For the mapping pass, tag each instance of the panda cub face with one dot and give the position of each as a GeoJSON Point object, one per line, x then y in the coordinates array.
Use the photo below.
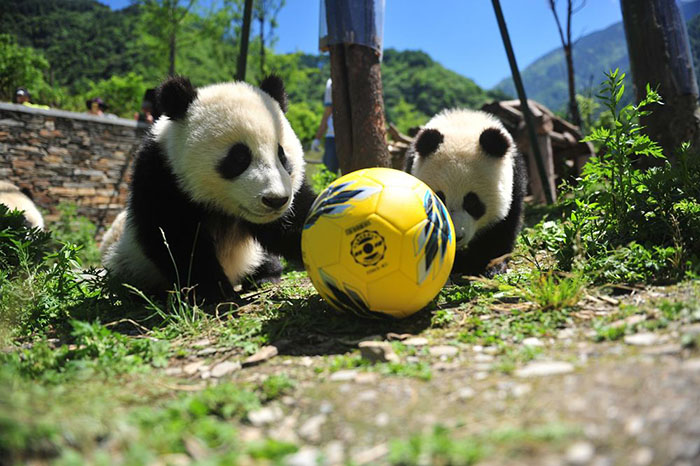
{"type": "Point", "coordinates": [231, 147]}
{"type": "Point", "coordinates": [466, 157]}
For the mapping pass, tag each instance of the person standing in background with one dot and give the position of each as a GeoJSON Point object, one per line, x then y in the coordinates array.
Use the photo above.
{"type": "Point", "coordinates": [330, 157]}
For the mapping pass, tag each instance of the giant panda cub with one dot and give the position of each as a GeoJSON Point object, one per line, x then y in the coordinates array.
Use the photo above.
{"type": "Point", "coordinates": [470, 160]}
{"type": "Point", "coordinates": [217, 191]}
{"type": "Point", "coordinates": [15, 198]}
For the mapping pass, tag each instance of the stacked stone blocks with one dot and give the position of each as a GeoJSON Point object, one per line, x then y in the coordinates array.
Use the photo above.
{"type": "Point", "coordinates": [68, 156]}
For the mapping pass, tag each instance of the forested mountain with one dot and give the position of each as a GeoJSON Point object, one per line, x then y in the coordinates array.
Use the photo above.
{"type": "Point", "coordinates": [90, 50]}
{"type": "Point", "coordinates": [81, 39]}
{"type": "Point", "coordinates": [545, 79]}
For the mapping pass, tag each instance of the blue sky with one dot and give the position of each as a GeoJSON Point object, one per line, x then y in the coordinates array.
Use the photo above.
{"type": "Point", "coordinates": [460, 34]}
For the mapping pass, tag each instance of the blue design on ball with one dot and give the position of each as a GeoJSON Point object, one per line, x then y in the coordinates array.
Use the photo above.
{"type": "Point", "coordinates": [435, 235]}
{"type": "Point", "coordinates": [334, 200]}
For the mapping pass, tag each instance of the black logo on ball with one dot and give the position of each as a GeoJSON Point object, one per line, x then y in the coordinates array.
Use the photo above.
{"type": "Point", "coordinates": [368, 248]}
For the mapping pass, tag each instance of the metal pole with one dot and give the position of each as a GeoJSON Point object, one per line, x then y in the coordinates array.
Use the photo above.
{"type": "Point", "coordinates": [245, 33]}
{"type": "Point", "coordinates": [523, 100]}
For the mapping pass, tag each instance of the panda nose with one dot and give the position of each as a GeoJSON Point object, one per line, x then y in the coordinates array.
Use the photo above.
{"type": "Point", "coordinates": [275, 202]}
{"type": "Point", "coordinates": [459, 237]}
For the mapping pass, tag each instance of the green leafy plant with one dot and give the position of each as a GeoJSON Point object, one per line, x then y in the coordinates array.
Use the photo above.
{"type": "Point", "coordinates": [625, 224]}
{"type": "Point", "coordinates": [322, 178]}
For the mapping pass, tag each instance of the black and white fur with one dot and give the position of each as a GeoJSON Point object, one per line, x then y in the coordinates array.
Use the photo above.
{"type": "Point", "coordinates": [470, 160]}
{"type": "Point", "coordinates": [21, 199]}
{"type": "Point", "coordinates": [219, 185]}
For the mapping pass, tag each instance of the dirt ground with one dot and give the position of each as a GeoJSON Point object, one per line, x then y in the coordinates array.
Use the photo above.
{"type": "Point", "coordinates": [630, 400]}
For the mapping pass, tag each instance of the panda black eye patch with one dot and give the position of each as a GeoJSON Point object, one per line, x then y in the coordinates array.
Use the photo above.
{"type": "Point", "coordinates": [473, 205]}
{"type": "Point", "coordinates": [236, 161]}
{"type": "Point", "coordinates": [283, 159]}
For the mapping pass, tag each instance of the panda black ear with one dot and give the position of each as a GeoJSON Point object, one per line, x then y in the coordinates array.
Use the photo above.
{"type": "Point", "coordinates": [274, 87]}
{"type": "Point", "coordinates": [174, 97]}
{"type": "Point", "coordinates": [27, 193]}
{"type": "Point", "coordinates": [428, 141]}
{"type": "Point", "coordinates": [494, 142]}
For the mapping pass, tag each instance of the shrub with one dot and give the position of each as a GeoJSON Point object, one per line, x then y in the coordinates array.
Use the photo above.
{"type": "Point", "coordinates": [625, 224]}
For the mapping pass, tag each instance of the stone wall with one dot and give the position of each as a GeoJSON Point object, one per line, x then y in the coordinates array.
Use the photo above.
{"type": "Point", "coordinates": [68, 156]}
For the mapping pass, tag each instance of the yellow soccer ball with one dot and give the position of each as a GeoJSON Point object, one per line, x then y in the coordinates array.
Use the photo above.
{"type": "Point", "coordinates": [378, 241]}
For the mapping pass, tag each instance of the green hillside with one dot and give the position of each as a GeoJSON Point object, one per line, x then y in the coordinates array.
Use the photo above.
{"type": "Point", "coordinates": [82, 49]}
{"type": "Point", "coordinates": [545, 79]}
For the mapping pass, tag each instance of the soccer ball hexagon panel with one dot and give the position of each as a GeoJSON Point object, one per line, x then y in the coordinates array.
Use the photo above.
{"type": "Point", "coordinates": [378, 240]}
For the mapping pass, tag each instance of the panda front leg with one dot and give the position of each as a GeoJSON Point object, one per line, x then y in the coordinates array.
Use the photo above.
{"type": "Point", "coordinates": [270, 271]}
{"type": "Point", "coordinates": [186, 255]}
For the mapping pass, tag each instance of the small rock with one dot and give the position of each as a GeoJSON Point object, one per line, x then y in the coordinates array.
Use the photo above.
{"type": "Point", "coordinates": [171, 371]}
{"type": "Point", "coordinates": [284, 430]}
{"type": "Point", "coordinates": [477, 348]}
{"type": "Point", "coordinates": [263, 354]}
{"type": "Point", "coordinates": [378, 351]}
{"type": "Point", "coordinates": [465, 393]}
{"type": "Point", "coordinates": [326, 407]}
{"type": "Point", "coordinates": [306, 456]}
{"type": "Point", "coordinates": [491, 350]}
{"type": "Point", "coordinates": [224, 368]}
{"type": "Point", "coordinates": [691, 364]}
{"type": "Point", "coordinates": [333, 452]}
{"type": "Point", "coordinates": [202, 343]}
{"type": "Point", "coordinates": [533, 342]}
{"type": "Point", "coordinates": [367, 395]}
{"type": "Point", "coordinates": [310, 430]}
{"type": "Point", "coordinates": [250, 434]}
{"type": "Point", "coordinates": [643, 457]}
{"type": "Point", "coordinates": [580, 453]}
{"type": "Point", "coordinates": [481, 357]}
{"type": "Point", "coordinates": [602, 461]}
{"type": "Point", "coordinates": [193, 367]}
{"type": "Point", "coordinates": [446, 366]}
{"type": "Point", "coordinates": [343, 376]}
{"type": "Point", "coordinates": [306, 361]}
{"type": "Point", "coordinates": [443, 351]}
{"type": "Point", "coordinates": [536, 369]}
{"type": "Point", "coordinates": [371, 455]}
{"type": "Point", "coordinates": [634, 426]}
{"type": "Point", "coordinates": [629, 321]}
{"type": "Point", "coordinates": [381, 420]}
{"type": "Point", "coordinates": [671, 348]}
{"type": "Point", "coordinates": [566, 333]}
{"type": "Point", "coordinates": [265, 416]}
{"type": "Point", "coordinates": [641, 339]}
{"type": "Point", "coordinates": [207, 351]}
{"type": "Point", "coordinates": [366, 377]}
{"type": "Point", "coordinates": [692, 330]}
{"type": "Point", "coordinates": [416, 341]}
{"type": "Point", "coordinates": [520, 389]}
{"type": "Point", "coordinates": [356, 341]}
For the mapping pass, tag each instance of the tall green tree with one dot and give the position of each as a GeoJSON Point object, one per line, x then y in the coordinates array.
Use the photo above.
{"type": "Point", "coordinates": [265, 12]}
{"type": "Point", "coordinates": [163, 21]}
{"type": "Point", "coordinates": [19, 66]}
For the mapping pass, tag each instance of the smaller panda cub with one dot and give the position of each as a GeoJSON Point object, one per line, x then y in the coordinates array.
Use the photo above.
{"type": "Point", "coordinates": [217, 192]}
{"type": "Point", "coordinates": [470, 160]}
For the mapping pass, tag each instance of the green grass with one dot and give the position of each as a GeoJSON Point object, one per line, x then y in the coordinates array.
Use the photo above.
{"type": "Point", "coordinates": [82, 364]}
{"type": "Point", "coordinates": [447, 446]}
